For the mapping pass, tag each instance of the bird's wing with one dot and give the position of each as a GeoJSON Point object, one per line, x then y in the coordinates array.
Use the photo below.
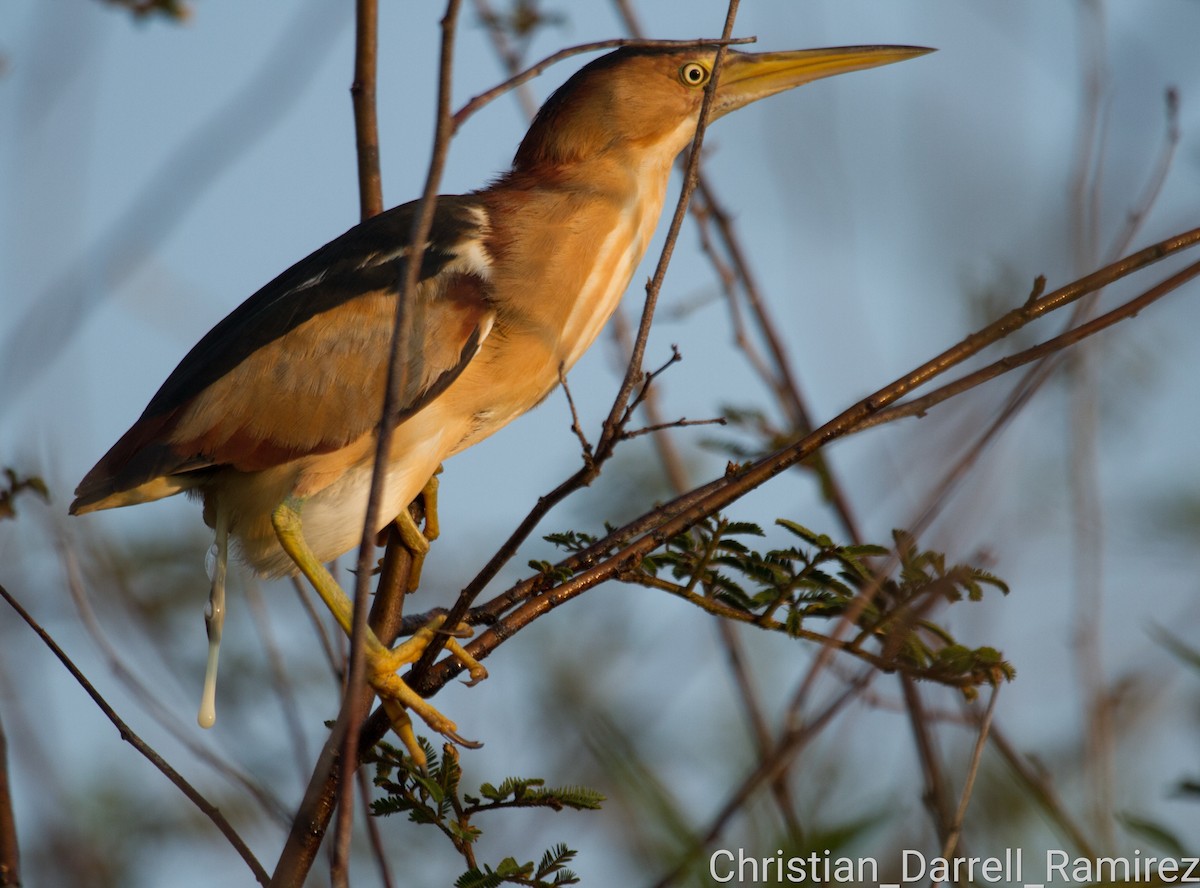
{"type": "Point", "coordinates": [300, 367]}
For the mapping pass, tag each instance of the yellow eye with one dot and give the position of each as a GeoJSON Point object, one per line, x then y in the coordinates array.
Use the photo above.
{"type": "Point", "coordinates": [693, 74]}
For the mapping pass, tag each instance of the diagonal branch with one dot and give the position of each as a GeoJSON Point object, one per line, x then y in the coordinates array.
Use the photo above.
{"type": "Point", "coordinates": [211, 811]}
{"type": "Point", "coordinates": [625, 546]}
{"type": "Point", "coordinates": [922, 405]}
{"type": "Point", "coordinates": [523, 77]}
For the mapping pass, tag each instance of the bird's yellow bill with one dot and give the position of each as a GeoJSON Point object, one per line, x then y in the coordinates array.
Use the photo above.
{"type": "Point", "coordinates": [746, 77]}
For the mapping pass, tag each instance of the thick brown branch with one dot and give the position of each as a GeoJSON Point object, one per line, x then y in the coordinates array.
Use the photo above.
{"type": "Point", "coordinates": [627, 545]}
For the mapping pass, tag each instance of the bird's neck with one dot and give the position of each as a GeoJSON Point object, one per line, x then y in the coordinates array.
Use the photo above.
{"type": "Point", "coordinates": [572, 236]}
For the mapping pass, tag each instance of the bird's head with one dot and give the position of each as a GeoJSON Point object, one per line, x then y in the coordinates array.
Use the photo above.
{"type": "Point", "coordinates": [649, 98]}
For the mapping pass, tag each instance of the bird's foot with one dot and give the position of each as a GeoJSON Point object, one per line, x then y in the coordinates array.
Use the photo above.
{"type": "Point", "coordinates": [398, 698]}
{"type": "Point", "coordinates": [383, 663]}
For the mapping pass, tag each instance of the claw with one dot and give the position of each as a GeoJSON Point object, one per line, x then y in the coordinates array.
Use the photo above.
{"type": "Point", "coordinates": [474, 679]}
{"type": "Point", "coordinates": [462, 741]}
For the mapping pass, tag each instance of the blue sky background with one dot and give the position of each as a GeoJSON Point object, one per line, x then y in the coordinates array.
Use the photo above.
{"type": "Point", "coordinates": [876, 208]}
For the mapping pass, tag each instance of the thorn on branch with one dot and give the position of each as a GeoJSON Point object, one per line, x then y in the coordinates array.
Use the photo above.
{"type": "Point", "coordinates": [1039, 287]}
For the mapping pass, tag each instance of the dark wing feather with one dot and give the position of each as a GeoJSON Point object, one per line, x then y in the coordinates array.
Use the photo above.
{"type": "Point", "coordinates": [364, 259]}
{"type": "Point", "coordinates": [299, 367]}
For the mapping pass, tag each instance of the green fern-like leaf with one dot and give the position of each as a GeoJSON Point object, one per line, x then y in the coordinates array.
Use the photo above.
{"type": "Point", "coordinates": [820, 540]}
{"type": "Point", "coordinates": [554, 861]}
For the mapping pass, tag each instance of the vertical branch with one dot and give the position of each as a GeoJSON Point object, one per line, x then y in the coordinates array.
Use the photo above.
{"type": "Point", "coordinates": [356, 699]}
{"type": "Point", "coordinates": [738, 277]}
{"type": "Point", "coordinates": [936, 795]}
{"type": "Point", "coordinates": [614, 423]}
{"type": "Point", "coordinates": [339, 758]}
{"type": "Point", "coordinates": [1087, 524]}
{"type": "Point", "coordinates": [406, 321]}
{"type": "Point", "coordinates": [10, 851]}
{"type": "Point", "coordinates": [362, 94]}
{"type": "Point", "coordinates": [407, 305]}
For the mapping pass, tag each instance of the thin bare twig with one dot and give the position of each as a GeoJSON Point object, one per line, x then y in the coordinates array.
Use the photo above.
{"type": "Point", "coordinates": [1158, 177]}
{"type": "Point", "coordinates": [280, 677]}
{"type": "Point", "coordinates": [936, 795]}
{"type": "Point", "coordinates": [737, 274]}
{"type": "Point", "coordinates": [682, 423]}
{"type": "Point", "coordinates": [186, 736]}
{"type": "Point", "coordinates": [477, 102]}
{"type": "Point", "coordinates": [792, 741]}
{"type": "Point", "coordinates": [1127, 310]}
{"type": "Point", "coordinates": [366, 120]}
{"type": "Point", "coordinates": [406, 321]}
{"type": "Point", "coordinates": [585, 446]}
{"type": "Point", "coordinates": [509, 57]}
{"type": "Point", "coordinates": [1082, 418]}
{"type": "Point", "coordinates": [951, 846]}
{"type": "Point", "coordinates": [373, 834]}
{"type": "Point", "coordinates": [10, 848]}
{"type": "Point", "coordinates": [339, 758]}
{"type": "Point", "coordinates": [691, 173]}
{"type": "Point", "coordinates": [1040, 784]}
{"type": "Point", "coordinates": [316, 808]}
{"type": "Point", "coordinates": [320, 628]}
{"type": "Point", "coordinates": [209, 810]}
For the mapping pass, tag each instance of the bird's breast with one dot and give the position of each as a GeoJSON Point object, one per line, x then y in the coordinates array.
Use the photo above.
{"type": "Point", "coordinates": [560, 259]}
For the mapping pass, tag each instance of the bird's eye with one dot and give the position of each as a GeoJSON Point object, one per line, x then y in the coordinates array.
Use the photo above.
{"type": "Point", "coordinates": [693, 74]}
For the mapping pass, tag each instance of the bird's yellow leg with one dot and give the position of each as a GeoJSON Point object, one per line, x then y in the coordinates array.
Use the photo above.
{"type": "Point", "coordinates": [429, 495]}
{"type": "Point", "coordinates": [382, 662]}
{"type": "Point", "coordinates": [414, 539]}
{"type": "Point", "coordinates": [290, 532]}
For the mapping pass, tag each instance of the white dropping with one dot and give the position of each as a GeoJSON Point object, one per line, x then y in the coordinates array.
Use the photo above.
{"type": "Point", "coordinates": [214, 617]}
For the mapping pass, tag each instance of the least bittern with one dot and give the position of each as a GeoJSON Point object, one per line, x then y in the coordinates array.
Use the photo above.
{"type": "Point", "coordinates": [272, 418]}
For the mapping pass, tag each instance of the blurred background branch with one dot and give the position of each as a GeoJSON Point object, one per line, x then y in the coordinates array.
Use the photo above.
{"type": "Point", "coordinates": [866, 226]}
